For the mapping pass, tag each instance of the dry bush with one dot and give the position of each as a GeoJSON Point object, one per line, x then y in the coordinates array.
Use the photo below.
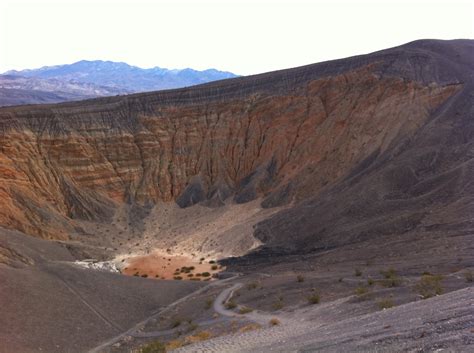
{"type": "Point", "coordinates": [314, 299]}
{"type": "Point", "coordinates": [230, 305]}
{"type": "Point", "coordinates": [277, 305]}
{"type": "Point", "coordinates": [153, 347]}
{"type": "Point", "coordinates": [174, 344]}
{"type": "Point", "coordinates": [385, 303]}
{"type": "Point", "coordinates": [245, 310]}
{"type": "Point", "coordinates": [429, 286]}
{"type": "Point", "coordinates": [198, 337]}
{"type": "Point", "coordinates": [468, 276]}
{"type": "Point", "coordinates": [252, 285]}
{"type": "Point", "coordinates": [208, 303]}
{"type": "Point", "coordinates": [274, 322]}
{"type": "Point", "coordinates": [250, 327]}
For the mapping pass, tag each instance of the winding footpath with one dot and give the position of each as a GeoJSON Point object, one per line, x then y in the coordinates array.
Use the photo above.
{"type": "Point", "coordinates": [135, 331]}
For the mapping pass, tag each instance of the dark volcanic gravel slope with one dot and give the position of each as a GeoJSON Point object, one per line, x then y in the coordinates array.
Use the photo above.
{"type": "Point", "coordinates": [420, 183]}
{"type": "Point", "coordinates": [48, 304]}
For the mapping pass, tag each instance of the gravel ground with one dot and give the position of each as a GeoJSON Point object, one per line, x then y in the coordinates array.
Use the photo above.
{"type": "Point", "coordinates": [444, 323]}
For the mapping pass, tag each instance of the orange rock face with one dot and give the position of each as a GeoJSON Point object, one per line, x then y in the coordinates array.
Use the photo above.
{"type": "Point", "coordinates": [80, 160]}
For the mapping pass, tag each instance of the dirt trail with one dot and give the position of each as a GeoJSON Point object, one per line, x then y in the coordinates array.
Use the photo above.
{"type": "Point", "coordinates": [135, 331]}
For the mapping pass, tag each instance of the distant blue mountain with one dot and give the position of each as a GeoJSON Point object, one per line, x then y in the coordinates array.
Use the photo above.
{"type": "Point", "coordinates": [86, 79]}
{"type": "Point", "coordinates": [122, 76]}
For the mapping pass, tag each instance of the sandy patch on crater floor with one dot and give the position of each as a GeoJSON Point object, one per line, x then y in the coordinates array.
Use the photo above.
{"type": "Point", "coordinates": [161, 265]}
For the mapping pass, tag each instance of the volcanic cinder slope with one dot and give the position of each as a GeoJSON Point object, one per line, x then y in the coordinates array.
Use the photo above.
{"type": "Point", "coordinates": [355, 151]}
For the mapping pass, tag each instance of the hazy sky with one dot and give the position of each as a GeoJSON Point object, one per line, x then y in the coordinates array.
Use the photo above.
{"type": "Point", "coordinates": [244, 37]}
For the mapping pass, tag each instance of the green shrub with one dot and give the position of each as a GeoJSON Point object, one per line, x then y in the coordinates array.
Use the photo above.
{"type": "Point", "coordinates": [385, 303]}
{"type": "Point", "coordinates": [153, 347]}
{"type": "Point", "coordinates": [245, 310]}
{"type": "Point", "coordinates": [362, 293]}
{"type": "Point", "coordinates": [230, 305]}
{"type": "Point", "coordinates": [391, 279]}
{"type": "Point", "coordinates": [390, 273]}
{"type": "Point", "coordinates": [429, 286]}
{"type": "Point", "coordinates": [214, 267]}
{"type": "Point", "coordinates": [252, 285]}
{"type": "Point", "coordinates": [370, 281]}
{"type": "Point", "coordinates": [468, 276]}
{"type": "Point", "coordinates": [300, 278]}
{"type": "Point", "coordinates": [277, 305]}
{"type": "Point", "coordinates": [176, 323]}
{"type": "Point", "coordinates": [314, 299]}
{"type": "Point", "coordinates": [391, 282]}
{"type": "Point", "coordinates": [208, 304]}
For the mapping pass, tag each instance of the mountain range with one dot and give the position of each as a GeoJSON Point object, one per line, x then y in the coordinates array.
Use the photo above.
{"type": "Point", "coordinates": [88, 79]}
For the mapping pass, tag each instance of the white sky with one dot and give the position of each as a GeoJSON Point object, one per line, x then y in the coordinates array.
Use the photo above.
{"type": "Point", "coordinates": [244, 37]}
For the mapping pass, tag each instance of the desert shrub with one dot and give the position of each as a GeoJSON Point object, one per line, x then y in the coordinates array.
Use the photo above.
{"type": "Point", "coordinates": [178, 278]}
{"type": "Point", "coordinates": [391, 282]}
{"type": "Point", "coordinates": [391, 279]}
{"type": "Point", "coordinates": [208, 303]}
{"type": "Point", "coordinates": [274, 322]}
{"type": "Point", "coordinates": [193, 326]}
{"type": "Point", "coordinates": [388, 273]}
{"type": "Point", "coordinates": [468, 276]}
{"type": "Point", "coordinates": [194, 279]}
{"type": "Point", "coordinates": [357, 272]}
{"type": "Point", "coordinates": [212, 262]}
{"type": "Point", "coordinates": [340, 280]}
{"type": "Point", "coordinates": [300, 278]}
{"type": "Point", "coordinates": [214, 267]}
{"type": "Point", "coordinates": [362, 293]}
{"type": "Point", "coordinates": [176, 323]}
{"type": "Point", "coordinates": [385, 303]}
{"type": "Point", "coordinates": [245, 310]}
{"type": "Point", "coordinates": [153, 347]}
{"type": "Point", "coordinates": [277, 305]}
{"type": "Point", "coordinates": [190, 275]}
{"type": "Point", "coordinates": [429, 286]}
{"type": "Point", "coordinates": [144, 275]}
{"type": "Point", "coordinates": [314, 299]}
{"type": "Point", "coordinates": [174, 344]}
{"type": "Point", "coordinates": [250, 327]}
{"type": "Point", "coordinates": [202, 259]}
{"type": "Point", "coordinates": [198, 337]}
{"type": "Point", "coordinates": [230, 305]}
{"type": "Point", "coordinates": [252, 285]}
{"type": "Point", "coordinates": [205, 274]}
{"type": "Point", "coordinates": [370, 281]}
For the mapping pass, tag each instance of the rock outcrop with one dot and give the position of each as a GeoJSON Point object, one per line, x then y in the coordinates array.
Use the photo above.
{"type": "Point", "coordinates": [287, 136]}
